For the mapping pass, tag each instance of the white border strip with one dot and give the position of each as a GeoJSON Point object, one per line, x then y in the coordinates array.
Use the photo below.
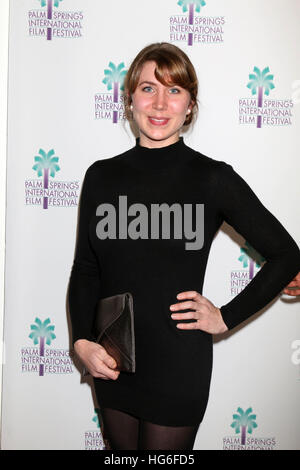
{"type": "Point", "coordinates": [4, 34]}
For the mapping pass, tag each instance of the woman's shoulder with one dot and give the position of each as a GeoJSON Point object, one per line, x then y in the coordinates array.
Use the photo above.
{"type": "Point", "coordinates": [209, 163]}
{"type": "Point", "coordinates": [107, 163]}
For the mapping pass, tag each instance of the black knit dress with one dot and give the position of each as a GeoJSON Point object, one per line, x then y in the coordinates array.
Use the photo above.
{"type": "Point", "coordinates": [155, 259]}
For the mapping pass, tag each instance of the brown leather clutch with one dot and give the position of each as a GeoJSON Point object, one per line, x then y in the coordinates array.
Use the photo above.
{"type": "Point", "coordinates": [114, 330]}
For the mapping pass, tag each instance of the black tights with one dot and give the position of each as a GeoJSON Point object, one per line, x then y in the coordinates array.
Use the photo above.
{"type": "Point", "coordinates": [125, 431]}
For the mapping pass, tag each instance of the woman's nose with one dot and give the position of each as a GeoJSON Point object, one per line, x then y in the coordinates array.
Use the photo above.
{"type": "Point", "coordinates": [160, 101]}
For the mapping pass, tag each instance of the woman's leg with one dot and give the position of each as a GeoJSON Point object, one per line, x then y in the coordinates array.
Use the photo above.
{"type": "Point", "coordinates": [154, 436]}
{"type": "Point", "coordinates": [120, 429]}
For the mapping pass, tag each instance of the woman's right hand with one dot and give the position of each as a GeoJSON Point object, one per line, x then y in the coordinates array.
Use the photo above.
{"type": "Point", "coordinates": [95, 358]}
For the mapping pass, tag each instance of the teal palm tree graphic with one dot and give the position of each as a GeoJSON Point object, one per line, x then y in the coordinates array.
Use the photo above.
{"type": "Point", "coordinates": [96, 417]}
{"type": "Point", "coordinates": [186, 3]}
{"type": "Point", "coordinates": [248, 256]}
{"type": "Point", "coordinates": [114, 77]}
{"type": "Point", "coordinates": [97, 421]}
{"type": "Point", "coordinates": [260, 81]}
{"type": "Point", "coordinates": [56, 3]}
{"type": "Point", "coordinates": [42, 331]}
{"type": "Point", "coordinates": [189, 5]}
{"type": "Point", "coordinates": [244, 420]}
{"type": "Point", "coordinates": [45, 162]}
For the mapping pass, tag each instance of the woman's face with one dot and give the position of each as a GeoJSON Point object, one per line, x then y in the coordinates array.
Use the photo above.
{"type": "Point", "coordinates": [159, 111]}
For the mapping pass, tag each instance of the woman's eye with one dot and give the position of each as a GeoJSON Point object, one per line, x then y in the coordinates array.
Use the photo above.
{"type": "Point", "coordinates": [147, 88]}
{"type": "Point", "coordinates": [173, 91]}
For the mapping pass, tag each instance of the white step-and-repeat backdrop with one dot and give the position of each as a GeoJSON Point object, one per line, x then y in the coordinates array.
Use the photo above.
{"type": "Point", "coordinates": [62, 116]}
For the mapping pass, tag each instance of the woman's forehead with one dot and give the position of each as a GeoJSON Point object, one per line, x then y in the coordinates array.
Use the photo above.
{"type": "Point", "coordinates": [147, 73]}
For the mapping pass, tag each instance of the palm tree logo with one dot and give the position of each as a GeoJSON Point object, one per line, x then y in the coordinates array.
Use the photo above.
{"type": "Point", "coordinates": [260, 81]}
{"type": "Point", "coordinates": [45, 162]}
{"type": "Point", "coordinates": [96, 419]}
{"type": "Point", "coordinates": [114, 77]}
{"type": "Point", "coordinates": [42, 331]}
{"type": "Point", "coordinates": [249, 256]}
{"type": "Point", "coordinates": [43, 3]}
{"type": "Point", "coordinates": [191, 5]}
{"type": "Point", "coordinates": [244, 420]}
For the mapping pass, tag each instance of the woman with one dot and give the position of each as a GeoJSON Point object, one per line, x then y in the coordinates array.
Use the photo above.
{"type": "Point", "coordinates": [161, 405]}
{"type": "Point", "coordinates": [293, 288]}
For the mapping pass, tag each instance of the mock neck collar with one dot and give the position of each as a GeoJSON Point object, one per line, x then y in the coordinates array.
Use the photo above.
{"type": "Point", "coordinates": [157, 150]}
{"type": "Point", "coordinates": [158, 159]}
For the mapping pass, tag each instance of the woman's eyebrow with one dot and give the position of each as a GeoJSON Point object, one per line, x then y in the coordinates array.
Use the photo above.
{"type": "Point", "coordinates": [152, 83]}
{"type": "Point", "coordinates": [147, 81]}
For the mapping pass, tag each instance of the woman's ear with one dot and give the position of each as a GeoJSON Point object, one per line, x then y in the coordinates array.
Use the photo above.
{"type": "Point", "coordinates": [191, 105]}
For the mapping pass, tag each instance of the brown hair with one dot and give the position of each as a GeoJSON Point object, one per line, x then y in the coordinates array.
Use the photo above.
{"type": "Point", "coordinates": [172, 62]}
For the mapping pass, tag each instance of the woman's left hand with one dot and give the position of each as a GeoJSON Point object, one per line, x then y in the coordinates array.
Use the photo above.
{"type": "Point", "coordinates": [293, 288]}
{"type": "Point", "coordinates": [209, 317]}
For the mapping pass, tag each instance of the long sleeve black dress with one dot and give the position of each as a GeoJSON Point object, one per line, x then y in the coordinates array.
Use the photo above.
{"type": "Point", "coordinates": [157, 261]}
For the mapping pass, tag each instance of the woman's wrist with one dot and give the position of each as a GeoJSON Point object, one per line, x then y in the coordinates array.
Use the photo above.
{"type": "Point", "coordinates": [223, 326]}
{"type": "Point", "coordinates": [79, 343]}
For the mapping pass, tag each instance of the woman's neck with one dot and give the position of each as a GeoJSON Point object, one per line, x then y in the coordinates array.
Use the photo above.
{"type": "Point", "coordinates": [145, 141]}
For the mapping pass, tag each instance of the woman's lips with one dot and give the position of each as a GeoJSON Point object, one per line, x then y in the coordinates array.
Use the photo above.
{"type": "Point", "coordinates": [158, 122]}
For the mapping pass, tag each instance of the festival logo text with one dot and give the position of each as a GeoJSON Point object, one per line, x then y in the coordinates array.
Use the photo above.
{"type": "Point", "coordinates": [45, 193]}
{"type": "Point", "coordinates": [50, 22]}
{"type": "Point", "coordinates": [240, 278]}
{"type": "Point", "coordinates": [261, 111]}
{"type": "Point", "coordinates": [39, 358]}
{"type": "Point", "coordinates": [93, 440]}
{"type": "Point", "coordinates": [110, 106]}
{"type": "Point", "coordinates": [243, 423]}
{"type": "Point", "coordinates": [192, 29]}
